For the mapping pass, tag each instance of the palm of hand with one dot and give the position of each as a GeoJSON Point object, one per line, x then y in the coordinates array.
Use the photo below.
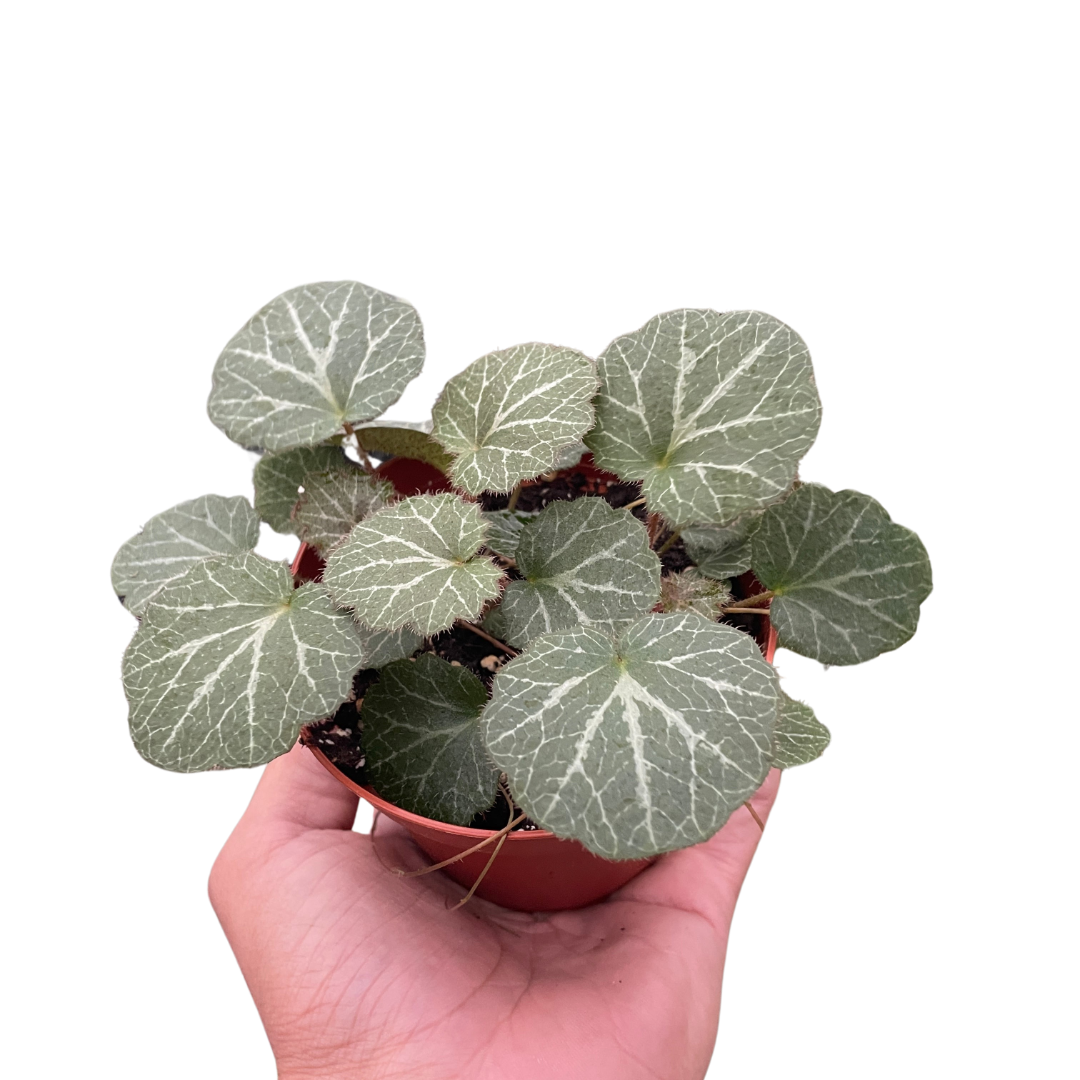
{"type": "Point", "coordinates": [359, 972]}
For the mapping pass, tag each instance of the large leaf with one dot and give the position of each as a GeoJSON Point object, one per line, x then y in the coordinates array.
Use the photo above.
{"type": "Point", "coordinates": [504, 530]}
{"type": "Point", "coordinates": [583, 564]}
{"type": "Point", "coordinates": [711, 411]}
{"type": "Point", "coordinates": [403, 441]}
{"type": "Point", "coordinates": [382, 647]}
{"type": "Point", "coordinates": [721, 551]}
{"type": "Point", "coordinates": [174, 541]}
{"type": "Point", "coordinates": [230, 661]}
{"type": "Point", "coordinates": [279, 477]}
{"type": "Point", "coordinates": [415, 564]}
{"type": "Point", "coordinates": [422, 744]}
{"type": "Point", "coordinates": [314, 358]}
{"type": "Point", "coordinates": [334, 501]}
{"type": "Point", "coordinates": [639, 745]}
{"type": "Point", "coordinates": [508, 415]}
{"type": "Point", "coordinates": [848, 580]}
{"type": "Point", "coordinates": [799, 736]}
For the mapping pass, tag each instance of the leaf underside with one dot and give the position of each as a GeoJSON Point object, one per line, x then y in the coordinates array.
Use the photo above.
{"type": "Point", "coordinates": [635, 746]}
{"type": "Point", "coordinates": [508, 415]}
{"type": "Point", "coordinates": [405, 442]}
{"type": "Point", "coordinates": [334, 501]}
{"type": "Point", "coordinates": [279, 477]}
{"type": "Point", "coordinates": [230, 661]}
{"type": "Point", "coordinates": [422, 741]}
{"type": "Point", "coordinates": [313, 358]}
{"type": "Point", "coordinates": [711, 411]}
{"type": "Point", "coordinates": [172, 542]}
{"type": "Point", "coordinates": [848, 580]}
{"type": "Point", "coordinates": [415, 564]}
{"type": "Point", "coordinates": [721, 551]}
{"type": "Point", "coordinates": [584, 564]}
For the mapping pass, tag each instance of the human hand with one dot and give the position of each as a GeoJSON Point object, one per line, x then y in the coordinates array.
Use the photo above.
{"type": "Point", "coordinates": [358, 972]}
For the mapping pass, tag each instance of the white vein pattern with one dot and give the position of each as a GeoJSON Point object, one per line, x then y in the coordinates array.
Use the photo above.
{"type": "Point", "coordinates": [711, 411]}
{"type": "Point", "coordinates": [230, 661]}
{"type": "Point", "coordinates": [848, 580]}
{"type": "Point", "coordinates": [722, 551]}
{"type": "Point", "coordinates": [638, 745]}
{"type": "Point", "coordinates": [334, 501]}
{"type": "Point", "coordinates": [415, 564]}
{"type": "Point", "coordinates": [509, 415]}
{"type": "Point", "coordinates": [584, 564]}
{"type": "Point", "coordinates": [313, 358]}
{"type": "Point", "coordinates": [422, 744]}
{"type": "Point", "coordinates": [799, 737]}
{"type": "Point", "coordinates": [382, 647]}
{"type": "Point", "coordinates": [279, 477]}
{"type": "Point", "coordinates": [504, 530]}
{"type": "Point", "coordinates": [173, 541]}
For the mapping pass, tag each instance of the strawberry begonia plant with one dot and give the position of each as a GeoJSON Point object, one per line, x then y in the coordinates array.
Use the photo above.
{"type": "Point", "coordinates": [632, 714]}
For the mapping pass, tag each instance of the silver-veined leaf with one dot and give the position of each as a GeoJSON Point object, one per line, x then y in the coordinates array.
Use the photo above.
{"type": "Point", "coordinates": [334, 501]}
{"type": "Point", "coordinates": [508, 415]}
{"type": "Point", "coordinates": [799, 736]}
{"type": "Point", "coordinates": [403, 441]}
{"type": "Point", "coordinates": [230, 661]}
{"type": "Point", "coordinates": [711, 411]}
{"type": "Point", "coordinates": [279, 477]}
{"type": "Point", "coordinates": [415, 564]}
{"type": "Point", "coordinates": [504, 530]}
{"type": "Point", "coordinates": [311, 360]}
{"type": "Point", "coordinates": [570, 456]}
{"type": "Point", "coordinates": [422, 743]}
{"type": "Point", "coordinates": [638, 745]}
{"type": "Point", "coordinates": [583, 564]}
{"type": "Point", "coordinates": [721, 551]}
{"type": "Point", "coordinates": [848, 581]}
{"type": "Point", "coordinates": [382, 647]}
{"type": "Point", "coordinates": [172, 542]}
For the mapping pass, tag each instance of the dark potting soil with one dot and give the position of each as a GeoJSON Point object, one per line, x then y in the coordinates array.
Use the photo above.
{"type": "Point", "coordinates": [339, 736]}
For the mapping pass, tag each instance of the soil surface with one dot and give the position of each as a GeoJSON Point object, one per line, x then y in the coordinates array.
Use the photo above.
{"type": "Point", "coordinates": [339, 736]}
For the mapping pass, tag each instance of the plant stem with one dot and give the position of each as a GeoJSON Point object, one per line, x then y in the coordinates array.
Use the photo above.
{"type": "Point", "coordinates": [637, 502]}
{"type": "Point", "coordinates": [744, 611]}
{"type": "Point", "coordinates": [350, 432]}
{"type": "Point", "coordinates": [487, 637]}
{"type": "Point", "coordinates": [483, 873]}
{"type": "Point", "coordinates": [753, 814]}
{"type": "Point", "coordinates": [757, 600]}
{"type": "Point", "coordinates": [468, 851]}
{"type": "Point", "coordinates": [669, 541]}
{"type": "Point", "coordinates": [514, 496]}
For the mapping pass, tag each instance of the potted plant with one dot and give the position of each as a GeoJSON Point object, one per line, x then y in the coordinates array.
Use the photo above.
{"type": "Point", "coordinates": [539, 629]}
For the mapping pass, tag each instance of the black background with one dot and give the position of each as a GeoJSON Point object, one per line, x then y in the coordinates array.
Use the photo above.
{"type": "Point", "coordinates": [822, 927]}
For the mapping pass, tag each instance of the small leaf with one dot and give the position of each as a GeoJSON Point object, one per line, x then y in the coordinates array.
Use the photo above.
{"type": "Point", "coordinates": [504, 530]}
{"type": "Point", "coordinates": [584, 564]}
{"type": "Point", "coordinates": [279, 477]}
{"type": "Point", "coordinates": [422, 742]}
{"type": "Point", "coordinates": [230, 661]}
{"type": "Point", "coordinates": [570, 456]}
{"type": "Point", "coordinates": [382, 647]}
{"type": "Point", "coordinates": [690, 590]}
{"type": "Point", "coordinates": [314, 358]}
{"type": "Point", "coordinates": [174, 541]}
{"type": "Point", "coordinates": [508, 415]}
{"type": "Point", "coordinates": [635, 746]}
{"type": "Point", "coordinates": [403, 441]}
{"type": "Point", "coordinates": [799, 736]}
{"type": "Point", "coordinates": [721, 551]}
{"type": "Point", "coordinates": [334, 501]}
{"type": "Point", "coordinates": [848, 580]}
{"type": "Point", "coordinates": [494, 623]}
{"type": "Point", "coordinates": [415, 564]}
{"type": "Point", "coordinates": [711, 411]}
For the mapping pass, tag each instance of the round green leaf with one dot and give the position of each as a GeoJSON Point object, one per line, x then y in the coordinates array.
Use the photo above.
{"type": "Point", "coordinates": [711, 411]}
{"type": "Point", "coordinates": [635, 746]}
{"type": "Point", "coordinates": [403, 441]}
{"type": "Point", "coordinates": [230, 661]}
{"type": "Point", "coordinates": [172, 542]}
{"type": "Point", "coordinates": [508, 415]}
{"type": "Point", "coordinates": [334, 501]}
{"type": "Point", "coordinates": [583, 564]}
{"type": "Point", "coordinates": [799, 736]}
{"type": "Point", "coordinates": [314, 358]}
{"type": "Point", "coordinates": [279, 477]}
{"type": "Point", "coordinates": [848, 580]}
{"type": "Point", "coordinates": [504, 530]}
{"type": "Point", "coordinates": [422, 744]}
{"type": "Point", "coordinates": [415, 564]}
